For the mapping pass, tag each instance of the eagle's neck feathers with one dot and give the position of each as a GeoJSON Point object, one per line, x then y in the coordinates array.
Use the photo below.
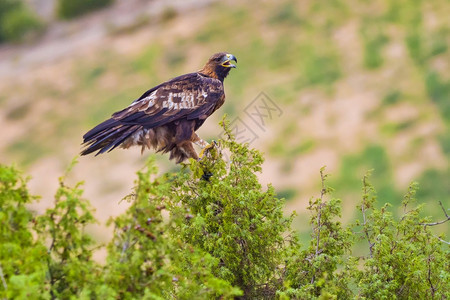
{"type": "Point", "coordinates": [217, 72]}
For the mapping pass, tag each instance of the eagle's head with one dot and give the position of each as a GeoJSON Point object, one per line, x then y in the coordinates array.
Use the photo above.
{"type": "Point", "coordinates": [219, 65]}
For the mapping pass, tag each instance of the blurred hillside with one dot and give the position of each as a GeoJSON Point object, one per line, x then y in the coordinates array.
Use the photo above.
{"type": "Point", "coordinates": [353, 85]}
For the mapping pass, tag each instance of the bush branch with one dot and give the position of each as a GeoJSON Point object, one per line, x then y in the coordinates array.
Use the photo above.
{"type": "Point", "coordinates": [363, 211]}
{"type": "Point", "coordinates": [439, 222]}
{"type": "Point", "coordinates": [3, 278]}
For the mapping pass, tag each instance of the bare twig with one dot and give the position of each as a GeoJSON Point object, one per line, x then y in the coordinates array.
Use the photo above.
{"type": "Point", "coordinates": [319, 216]}
{"type": "Point", "coordinates": [443, 209]}
{"type": "Point", "coordinates": [435, 223]}
{"type": "Point", "coordinates": [444, 241]}
{"type": "Point", "coordinates": [5, 286]}
{"type": "Point", "coordinates": [363, 210]}
{"type": "Point", "coordinates": [439, 222]}
{"type": "Point", "coordinates": [125, 246]}
{"type": "Point", "coordinates": [433, 289]}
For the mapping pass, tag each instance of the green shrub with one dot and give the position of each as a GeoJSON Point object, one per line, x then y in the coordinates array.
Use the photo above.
{"type": "Point", "coordinates": [17, 21]}
{"type": "Point", "coordinates": [69, 9]}
{"type": "Point", "coordinates": [438, 90]}
{"type": "Point", "coordinates": [211, 231]}
{"type": "Point", "coordinates": [375, 40]}
{"type": "Point", "coordinates": [147, 256]}
{"type": "Point", "coordinates": [6, 6]}
{"type": "Point", "coordinates": [318, 66]}
{"type": "Point", "coordinates": [286, 13]}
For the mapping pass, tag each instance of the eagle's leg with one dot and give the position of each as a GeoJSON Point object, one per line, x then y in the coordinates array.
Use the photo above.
{"type": "Point", "coordinates": [188, 149]}
{"type": "Point", "coordinates": [198, 141]}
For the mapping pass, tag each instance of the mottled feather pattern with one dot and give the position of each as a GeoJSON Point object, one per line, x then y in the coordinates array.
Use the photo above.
{"type": "Point", "coordinates": [164, 118]}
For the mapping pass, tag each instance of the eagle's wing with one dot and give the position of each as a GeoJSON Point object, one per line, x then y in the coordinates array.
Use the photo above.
{"type": "Point", "coordinates": [192, 96]}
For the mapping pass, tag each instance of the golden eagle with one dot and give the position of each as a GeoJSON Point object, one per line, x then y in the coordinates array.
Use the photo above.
{"type": "Point", "coordinates": [166, 117]}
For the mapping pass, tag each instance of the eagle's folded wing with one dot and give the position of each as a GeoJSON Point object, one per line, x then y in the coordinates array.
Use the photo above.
{"type": "Point", "coordinates": [192, 96]}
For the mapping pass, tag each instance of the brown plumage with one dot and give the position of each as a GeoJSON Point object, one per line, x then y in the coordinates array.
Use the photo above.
{"type": "Point", "coordinates": [166, 117]}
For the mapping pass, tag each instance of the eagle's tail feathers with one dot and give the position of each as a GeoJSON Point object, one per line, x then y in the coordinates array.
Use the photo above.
{"type": "Point", "coordinates": [104, 126]}
{"type": "Point", "coordinates": [107, 136]}
{"type": "Point", "coordinates": [120, 139]}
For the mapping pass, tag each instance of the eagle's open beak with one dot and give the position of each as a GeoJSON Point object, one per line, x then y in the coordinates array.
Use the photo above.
{"type": "Point", "coordinates": [227, 61]}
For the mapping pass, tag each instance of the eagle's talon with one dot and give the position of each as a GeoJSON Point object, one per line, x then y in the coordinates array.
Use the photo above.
{"type": "Point", "coordinates": [207, 148]}
{"type": "Point", "coordinates": [201, 154]}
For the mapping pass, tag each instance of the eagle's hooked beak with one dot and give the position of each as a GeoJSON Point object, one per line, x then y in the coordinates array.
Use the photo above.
{"type": "Point", "coordinates": [226, 62]}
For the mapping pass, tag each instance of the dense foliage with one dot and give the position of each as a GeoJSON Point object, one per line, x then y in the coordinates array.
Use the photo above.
{"type": "Point", "coordinates": [17, 21]}
{"type": "Point", "coordinates": [212, 231]}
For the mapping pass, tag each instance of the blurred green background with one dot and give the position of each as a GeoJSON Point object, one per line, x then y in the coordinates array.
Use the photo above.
{"type": "Point", "coordinates": [360, 84]}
